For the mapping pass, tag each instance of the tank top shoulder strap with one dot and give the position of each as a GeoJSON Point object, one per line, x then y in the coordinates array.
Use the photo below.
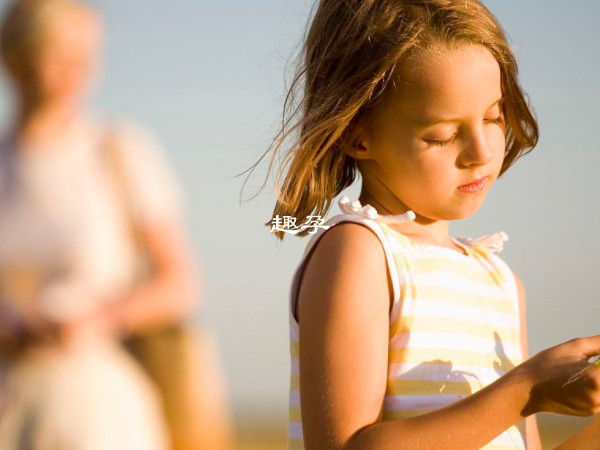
{"type": "Point", "coordinates": [333, 221]}
{"type": "Point", "coordinates": [493, 243]}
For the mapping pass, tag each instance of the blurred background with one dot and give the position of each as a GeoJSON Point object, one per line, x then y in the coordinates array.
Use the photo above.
{"type": "Point", "coordinates": [208, 77]}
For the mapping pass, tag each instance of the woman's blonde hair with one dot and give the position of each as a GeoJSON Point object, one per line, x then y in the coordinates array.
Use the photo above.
{"type": "Point", "coordinates": [23, 29]}
{"type": "Point", "coordinates": [352, 52]}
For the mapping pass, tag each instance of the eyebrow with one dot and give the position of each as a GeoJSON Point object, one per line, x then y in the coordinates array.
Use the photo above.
{"type": "Point", "coordinates": [430, 122]}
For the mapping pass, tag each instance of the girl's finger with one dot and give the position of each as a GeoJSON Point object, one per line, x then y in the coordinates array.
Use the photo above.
{"type": "Point", "coordinates": [593, 363]}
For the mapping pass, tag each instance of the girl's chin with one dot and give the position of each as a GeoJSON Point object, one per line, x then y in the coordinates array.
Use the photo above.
{"type": "Point", "coordinates": [469, 210]}
{"type": "Point", "coordinates": [458, 213]}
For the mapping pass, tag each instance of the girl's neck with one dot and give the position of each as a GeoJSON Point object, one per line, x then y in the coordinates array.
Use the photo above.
{"type": "Point", "coordinates": [427, 231]}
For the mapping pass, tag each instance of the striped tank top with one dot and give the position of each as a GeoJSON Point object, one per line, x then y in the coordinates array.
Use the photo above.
{"type": "Point", "coordinates": [454, 322]}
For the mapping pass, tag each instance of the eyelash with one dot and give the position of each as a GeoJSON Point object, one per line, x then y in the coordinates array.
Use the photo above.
{"type": "Point", "coordinates": [495, 120]}
{"type": "Point", "coordinates": [440, 143]}
{"type": "Point", "coordinates": [499, 119]}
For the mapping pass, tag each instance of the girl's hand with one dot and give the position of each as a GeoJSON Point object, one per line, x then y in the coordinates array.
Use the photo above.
{"type": "Point", "coordinates": [553, 367]}
{"type": "Point", "coordinates": [593, 363]}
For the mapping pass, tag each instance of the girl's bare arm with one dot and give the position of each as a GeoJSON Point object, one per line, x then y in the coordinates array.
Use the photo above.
{"type": "Point", "coordinates": [586, 439]}
{"type": "Point", "coordinates": [343, 312]}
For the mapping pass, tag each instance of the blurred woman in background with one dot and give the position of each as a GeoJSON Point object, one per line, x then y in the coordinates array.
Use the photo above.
{"type": "Point", "coordinates": [83, 207]}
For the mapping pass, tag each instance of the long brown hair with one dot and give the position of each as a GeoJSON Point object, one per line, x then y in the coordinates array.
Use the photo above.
{"type": "Point", "coordinates": [352, 52]}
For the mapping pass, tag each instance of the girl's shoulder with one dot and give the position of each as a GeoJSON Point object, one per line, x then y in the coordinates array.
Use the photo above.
{"type": "Point", "coordinates": [349, 234]}
{"type": "Point", "coordinates": [351, 212]}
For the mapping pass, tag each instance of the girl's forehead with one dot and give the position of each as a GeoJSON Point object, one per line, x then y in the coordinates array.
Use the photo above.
{"type": "Point", "coordinates": [456, 81]}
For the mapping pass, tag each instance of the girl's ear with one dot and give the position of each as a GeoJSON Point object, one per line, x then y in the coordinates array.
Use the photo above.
{"type": "Point", "coordinates": [358, 145]}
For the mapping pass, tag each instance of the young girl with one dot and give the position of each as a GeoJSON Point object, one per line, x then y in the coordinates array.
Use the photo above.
{"type": "Point", "coordinates": [401, 335]}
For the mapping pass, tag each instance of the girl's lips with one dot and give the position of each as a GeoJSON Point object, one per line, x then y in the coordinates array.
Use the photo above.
{"type": "Point", "coordinates": [476, 186]}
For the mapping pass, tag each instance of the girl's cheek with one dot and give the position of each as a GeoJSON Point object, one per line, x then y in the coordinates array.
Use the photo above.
{"type": "Point", "coordinates": [496, 137]}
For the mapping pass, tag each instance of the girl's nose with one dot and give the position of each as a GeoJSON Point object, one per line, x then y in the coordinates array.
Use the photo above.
{"type": "Point", "coordinates": [477, 150]}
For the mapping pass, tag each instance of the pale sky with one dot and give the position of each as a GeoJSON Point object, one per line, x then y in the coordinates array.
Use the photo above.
{"type": "Point", "coordinates": [207, 78]}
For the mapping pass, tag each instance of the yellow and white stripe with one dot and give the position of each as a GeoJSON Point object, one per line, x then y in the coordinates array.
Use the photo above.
{"type": "Point", "coordinates": [454, 326]}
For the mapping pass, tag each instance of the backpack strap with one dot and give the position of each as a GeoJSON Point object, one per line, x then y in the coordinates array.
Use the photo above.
{"type": "Point", "coordinates": [111, 156]}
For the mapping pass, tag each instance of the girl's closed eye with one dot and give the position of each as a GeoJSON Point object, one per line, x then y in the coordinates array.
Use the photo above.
{"type": "Point", "coordinates": [440, 142]}
{"type": "Point", "coordinates": [499, 120]}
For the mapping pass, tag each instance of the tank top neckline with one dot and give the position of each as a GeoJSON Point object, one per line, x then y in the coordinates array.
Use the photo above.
{"type": "Point", "coordinates": [493, 242]}
{"type": "Point", "coordinates": [368, 211]}
{"type": "Point", "coordinates": [465, 253]}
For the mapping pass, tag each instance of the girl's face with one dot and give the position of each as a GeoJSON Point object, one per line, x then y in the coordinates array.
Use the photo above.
{"type": "Point", "coordinates": [441, 129]}
{"type": "Point", "coordinates": [68, 57]}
